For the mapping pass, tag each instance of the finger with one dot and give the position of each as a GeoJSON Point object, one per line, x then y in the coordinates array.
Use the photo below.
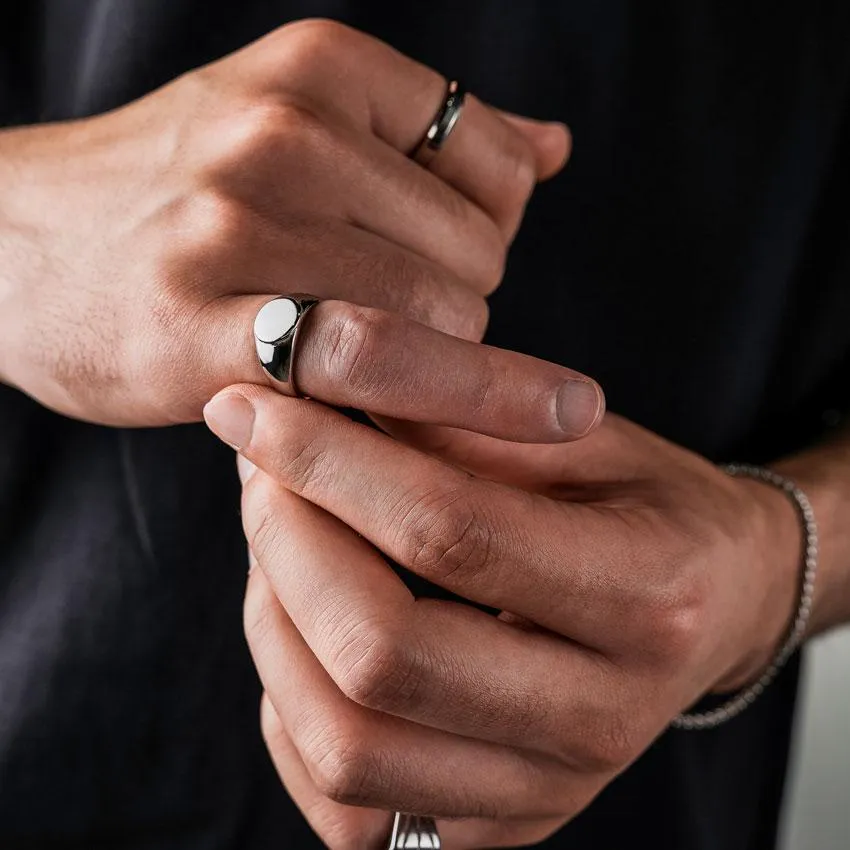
{"type": "Point", "coordinates": [220, 344]}
{"type": "Point", "coordinates": [328, 258]}
{"type": "Point", "coordinates": [336, 824]}
{"type": "Point", "coordinates": [618, 453]}
{"type": "Point", "coordinates": [289, 164]}
{"type": "Point", "coordinates": [378, 361]}
{"type": "Point", "coordinates": [448, 666]}
{"type": "Point", "coordinates": [360, 757]}
{"type": "Point", "coordinates": [383, 363]}
{"type": "Point", "coordinates": [416, 208]}
{"type": "Point", "coordinates": [552, 143]}
{"type": "Point", "coordinates": [365, 269]}
{"type": "Point", "coordinates": [348, 826]}
{"type": "Point", "coordinates": [532, 466]}
{"type": "Point", "coordinates": [381, 91]}
{"type": "Point", "coordinates": [498, 174]}
{"type": "Point", "coordinates": [503, 547]}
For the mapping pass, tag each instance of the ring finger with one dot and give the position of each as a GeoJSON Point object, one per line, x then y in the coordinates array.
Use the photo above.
{"type": "Point", "coordinates": [360, 757]}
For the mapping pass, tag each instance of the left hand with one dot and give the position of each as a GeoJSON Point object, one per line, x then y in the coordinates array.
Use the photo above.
{"type": "Point", "coordinates": [638, 576]}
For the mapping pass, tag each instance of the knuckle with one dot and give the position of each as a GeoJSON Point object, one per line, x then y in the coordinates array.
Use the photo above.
{"type": "Point", "coordinates": [254, 131]}
{"type": "Point", "coordinates": [351, 349]}
{"type": "Point", "coordinates": [209, 224]}
{"type": "Point", "coordinates": [305, 463]}
{"type": "Point", "coordinates": [675, 631]}
{"type": "Point", "coordinates": [670, 604]}
{"type": "Point", "coordinates": [264, 135]}
{"type": "Point", "coordinates": [442, 537]}
{"type": "Point", "coordinates": [340, 765]}
{"type": "Point", "coordinates": [613, 743]}
{"type": "Point", "coordinates": [380, 671]}
{"type": "Point", "coordinates": [314, 44]}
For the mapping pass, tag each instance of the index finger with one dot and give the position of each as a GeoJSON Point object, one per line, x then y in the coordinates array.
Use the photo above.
{"type": "Point", "coordinates": [377, 361]}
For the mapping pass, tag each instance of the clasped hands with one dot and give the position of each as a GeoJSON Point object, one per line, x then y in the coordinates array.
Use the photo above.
{"type": "Point", "coordinates": [632, 576]}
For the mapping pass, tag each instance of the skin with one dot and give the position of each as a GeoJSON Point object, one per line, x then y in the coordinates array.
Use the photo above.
{"type": "Point", "coordinates": [633, 577]}
{"type": "Point", "coordinates": [142, 242]}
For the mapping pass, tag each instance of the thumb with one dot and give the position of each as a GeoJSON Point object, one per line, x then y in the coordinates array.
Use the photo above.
{"type": "Point", "coordinates": [551, 142]}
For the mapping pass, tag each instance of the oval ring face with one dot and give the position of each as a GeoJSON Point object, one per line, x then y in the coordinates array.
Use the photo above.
{"type": "Point", "coordinates": [275, 332]}
{"type": "Point", "coordinates": [275, 320]}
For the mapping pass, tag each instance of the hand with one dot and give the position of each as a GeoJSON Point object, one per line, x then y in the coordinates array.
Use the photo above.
{"type": "Point", "coordinates": [137, 247]}
{"type": "Point", "coordinates": [639, 576]}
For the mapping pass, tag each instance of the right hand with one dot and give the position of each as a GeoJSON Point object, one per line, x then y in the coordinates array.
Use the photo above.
{"type": "Point", "coordinates": [136, 247]}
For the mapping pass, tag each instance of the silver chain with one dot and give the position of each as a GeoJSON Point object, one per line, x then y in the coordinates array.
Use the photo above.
{"type": "Point", "coordinates": [746, 697]}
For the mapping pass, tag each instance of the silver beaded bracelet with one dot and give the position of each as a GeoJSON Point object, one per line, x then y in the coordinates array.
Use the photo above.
{"type": "Point", "coordinates": [745, 698]}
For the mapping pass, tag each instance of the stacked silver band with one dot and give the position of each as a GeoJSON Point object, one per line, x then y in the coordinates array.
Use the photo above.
{"type": "Point", "coordinates": [745, 698]}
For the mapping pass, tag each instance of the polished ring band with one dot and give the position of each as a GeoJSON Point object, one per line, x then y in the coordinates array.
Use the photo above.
{"type": "Point", "coordinates": [413, 831]}
{"type": "Point", "coordinates": [276, 330]}
{"type": "Point", "coordinates": [441, 127]}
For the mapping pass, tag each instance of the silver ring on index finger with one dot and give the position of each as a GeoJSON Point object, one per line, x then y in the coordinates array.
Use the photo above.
{"type": "Point", "coordinates": [276, 330]}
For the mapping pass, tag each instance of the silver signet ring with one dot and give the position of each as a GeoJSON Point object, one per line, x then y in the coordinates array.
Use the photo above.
{"type": "Point", "coordinates": [276, 331]}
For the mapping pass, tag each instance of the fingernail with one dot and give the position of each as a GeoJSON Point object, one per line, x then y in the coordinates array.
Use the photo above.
{"type": "Point", "coordinates": [245, 467]}
{"type": "Point", "coordinates": [578, 406]}
{"type": "Point", "coordinates": [231, 417]}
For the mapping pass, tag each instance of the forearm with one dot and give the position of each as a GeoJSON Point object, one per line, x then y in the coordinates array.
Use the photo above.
{"type": "Point", "coordinates": [824, 473]}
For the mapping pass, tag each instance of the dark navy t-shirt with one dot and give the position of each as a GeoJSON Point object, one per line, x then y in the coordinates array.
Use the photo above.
{"type": "Point", "coordinates": [694, 257]}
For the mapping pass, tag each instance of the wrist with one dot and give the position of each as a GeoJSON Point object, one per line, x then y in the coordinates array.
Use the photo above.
{"type": "Point", "coordinates": [773, 551]}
